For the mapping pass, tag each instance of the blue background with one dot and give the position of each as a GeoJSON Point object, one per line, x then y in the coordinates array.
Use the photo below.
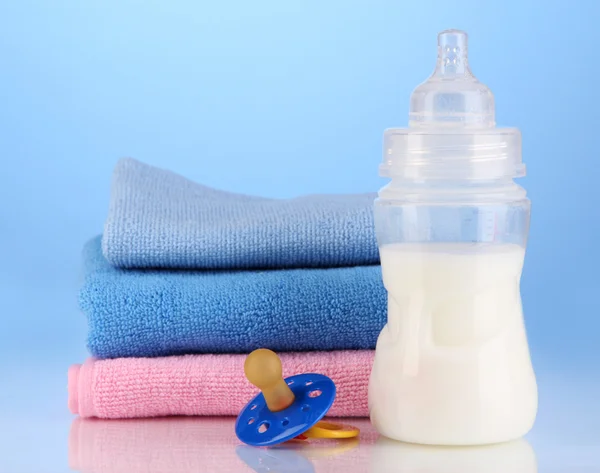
{"type": "Point", "coordinates": [279, 99]}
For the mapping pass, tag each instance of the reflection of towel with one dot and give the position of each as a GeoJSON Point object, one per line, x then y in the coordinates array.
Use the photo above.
{"type": "Point", "coordinates": [207, 444]}
{"type": "Point", "coordinates": [160, 313]}
{"type": "Point", "coordinates": [167, 445]}
{"type": "Point", "coordinates": [204, 384]}
{"type": "Point", "coordinates": [159, 219]}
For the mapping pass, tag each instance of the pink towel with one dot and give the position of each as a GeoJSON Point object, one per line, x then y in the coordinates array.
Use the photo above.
{"type": "Point", "coordinates": [208, 385]}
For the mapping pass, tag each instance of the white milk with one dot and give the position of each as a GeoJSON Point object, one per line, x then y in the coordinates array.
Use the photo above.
{"type": "Point", "coordinates": [452, 365]}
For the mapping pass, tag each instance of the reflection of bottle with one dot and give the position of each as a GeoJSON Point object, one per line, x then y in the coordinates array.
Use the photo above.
{"type": "Point", "coordinates": [389, 456]}
{"type": "Point", "coordinates": [452, 365]}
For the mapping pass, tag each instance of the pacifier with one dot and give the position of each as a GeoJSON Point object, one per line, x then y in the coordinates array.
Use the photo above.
{"type": "Point", "coordinates": [286, 409]}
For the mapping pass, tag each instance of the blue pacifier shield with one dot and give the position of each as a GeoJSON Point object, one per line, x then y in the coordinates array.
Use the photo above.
{"type": "Point", "coordinates": [258, 426]}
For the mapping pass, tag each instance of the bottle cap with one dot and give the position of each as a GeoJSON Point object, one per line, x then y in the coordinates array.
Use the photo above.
{"type": "Point", "coordinates": [452, 130]}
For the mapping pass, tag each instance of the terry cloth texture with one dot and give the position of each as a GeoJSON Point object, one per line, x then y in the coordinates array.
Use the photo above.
{"type": "Point", "coordinates": [158, 219]}
{"type": "Point", "coordinates": [148, 313]}
{"type": "Point", "coordinates": [206, 385]}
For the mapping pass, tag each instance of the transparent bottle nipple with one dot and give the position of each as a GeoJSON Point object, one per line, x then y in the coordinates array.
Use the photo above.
{"type": "Point", "coordinates": [452, 97]}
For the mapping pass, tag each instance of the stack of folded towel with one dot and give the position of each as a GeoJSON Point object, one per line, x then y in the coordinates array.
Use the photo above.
{"type": "Point", "coordinates": [186, 280]}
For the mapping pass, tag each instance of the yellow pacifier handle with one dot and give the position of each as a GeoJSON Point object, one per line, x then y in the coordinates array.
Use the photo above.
{"type": "Point", "coordinates": [330, 430]}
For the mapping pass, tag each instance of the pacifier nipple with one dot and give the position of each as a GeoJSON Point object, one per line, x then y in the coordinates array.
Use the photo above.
{"type": "Point", "coordinates": [263, 370]}
{"type": "Point", "coordinates": [452, 96]}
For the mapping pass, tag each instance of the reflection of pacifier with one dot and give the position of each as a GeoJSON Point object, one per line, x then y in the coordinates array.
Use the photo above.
{"type": "Point", "coordinates": [274, 460]}
{"type": "Point", "coordinates": [286, 409]}
{"type": "Point", "coordinates": [289, 459]}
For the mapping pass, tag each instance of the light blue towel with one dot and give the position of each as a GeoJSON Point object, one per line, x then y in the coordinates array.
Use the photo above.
{"type": "Point", "coordinates": [146, 313]}
{"type": "Point", "coordinates": [158, 219]}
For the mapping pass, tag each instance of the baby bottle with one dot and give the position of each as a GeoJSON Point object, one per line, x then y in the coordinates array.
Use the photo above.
{"type": "Point", "coordinates": [452, 365]}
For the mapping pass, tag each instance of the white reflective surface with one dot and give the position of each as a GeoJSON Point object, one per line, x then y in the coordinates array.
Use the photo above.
{"type": "Point", "coordinates": [190, 445]}
{"type": "Point", "coordinates": [181, 445]}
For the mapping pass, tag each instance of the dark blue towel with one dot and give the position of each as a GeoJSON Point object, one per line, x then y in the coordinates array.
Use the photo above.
{"type": "Point", "coordinates": [139, 313]}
